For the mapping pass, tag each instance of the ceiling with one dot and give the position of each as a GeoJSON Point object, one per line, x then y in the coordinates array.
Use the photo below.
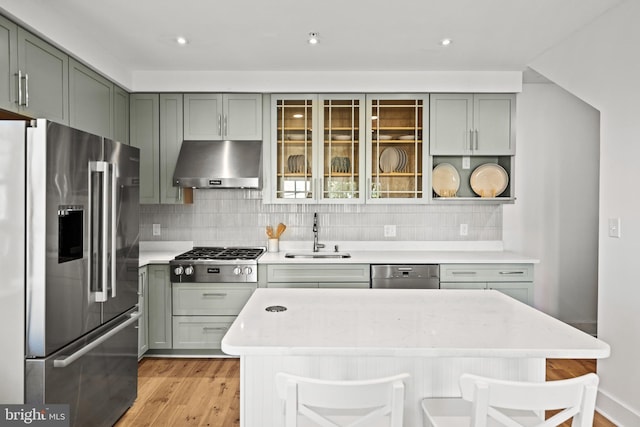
{"type": "Point", "coordinates": [250, 35]}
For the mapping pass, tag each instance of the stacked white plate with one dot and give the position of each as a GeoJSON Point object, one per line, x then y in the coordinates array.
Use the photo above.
{"type": "Point", "coordinates": [393, 160]}
{"type": "Point", "coordinates": [489, 180]}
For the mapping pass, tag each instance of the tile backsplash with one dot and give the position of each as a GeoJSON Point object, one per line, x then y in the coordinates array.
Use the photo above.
{"type": "Point", "coordinates": [239, 217]}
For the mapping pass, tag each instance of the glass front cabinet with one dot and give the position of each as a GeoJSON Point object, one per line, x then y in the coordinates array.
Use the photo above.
{"type": "Point", "coordinates": [319, 150]}
{"type": "Point", "coordinates": [349, 148]}
{"type": "Point", "coordinates": [397, 148]}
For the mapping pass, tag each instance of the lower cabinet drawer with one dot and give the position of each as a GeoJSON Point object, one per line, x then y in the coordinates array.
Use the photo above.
{"type": "Point", "coordinates": [200, 332]}
{"type": "Point", "coordinates": [204, 300]}
{"type": "Point", "coordinates": [486, 272]}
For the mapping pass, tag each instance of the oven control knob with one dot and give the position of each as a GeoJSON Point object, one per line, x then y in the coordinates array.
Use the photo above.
{"type": "Point", "coordinates": [178, 270]}
{"type": "Point", "coordinates": [248, 270]}
{"type": "Point", "coordinates": [188, 270]}
{"type": "Point", "coordinates": [237, 271]}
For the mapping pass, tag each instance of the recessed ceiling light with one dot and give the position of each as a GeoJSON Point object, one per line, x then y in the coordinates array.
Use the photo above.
{"type": "Point", "coordinates": [181, 41]}
{"type": "Point", "coordinates": [446, 42]}
{"type": "Point", "coordinates": [313, 38]}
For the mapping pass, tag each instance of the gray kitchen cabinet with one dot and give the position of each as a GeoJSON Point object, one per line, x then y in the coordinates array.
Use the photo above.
{"type": "Point", "coordinates": [171, 128]}
{"type": "Point", "coordinates": [34, 75]}
{"type": "Point", "coordinates": [229, 116]}
{"type": "Point", "coordinates": [145, 135]}
{"type": "Point", "coordinates": [44, 74]}
{"type": "Point", "coordinates": [472, 124]}
{"type": "Point", "coordinates": [203, 312]}
{"type": "Point", "coordinates": [159, 307]}
{"type": "Point", "coordinates": [8, 64]}
{"type": "Point", "coordinates": [318, 275]}
{"type": "Point", "coordinates": [91, 100]}
{"type": "Point", "coordinates": [515, 280]}
{"type": "Point", "coordinates": [143, 322]}
{"type": "Point", "coordinates": [120, 114]}
{"type": "Point", "coordinates": [156, 129]}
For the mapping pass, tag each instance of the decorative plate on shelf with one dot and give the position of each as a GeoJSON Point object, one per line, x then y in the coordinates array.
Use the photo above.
{"type": "Point", "coordinates": [489, 180]}
{"type": "Point", "coordinates": [340, 137]}
{"type": "Point", "coordinates": [408, 137]}
{"type": "Point", "coordinates": [389, 159]}
{"type": "Point", "coordinates": [445, 180]}
{"type": "Point", "coordinates": [296, 137]}
{"type": "Point", "coordinates": [381, 137]}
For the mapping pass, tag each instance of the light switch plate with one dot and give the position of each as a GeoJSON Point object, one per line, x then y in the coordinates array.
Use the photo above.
{"type": "Point", "coordinates": [156, 229]}
{"type": "Point", "coordinates": [614, 227]}
{"type": "Point", "coordinates": [464, 229]}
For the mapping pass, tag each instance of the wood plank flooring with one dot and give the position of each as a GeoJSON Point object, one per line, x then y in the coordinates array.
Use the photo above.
{"type": "Point", "coordinates": [206, 392]}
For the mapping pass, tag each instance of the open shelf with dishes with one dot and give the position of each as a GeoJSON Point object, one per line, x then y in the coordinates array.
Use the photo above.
{"type": "Point", "coordinates": [486, 179]}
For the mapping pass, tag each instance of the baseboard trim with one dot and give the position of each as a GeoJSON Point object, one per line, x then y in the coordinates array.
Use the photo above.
{"type": "Point", "coordinates": [616, 412]}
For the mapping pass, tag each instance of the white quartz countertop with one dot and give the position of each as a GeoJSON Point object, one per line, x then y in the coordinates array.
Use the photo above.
{"type": "Point", "coordinates": [161, 252]}
{"type": "Point", "coordinates": [402, 322]}
{"type": "Point", "coordinates": [402, 257]}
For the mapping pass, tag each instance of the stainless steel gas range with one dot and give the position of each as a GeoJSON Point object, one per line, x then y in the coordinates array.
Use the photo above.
{"type": "Point", "coordinates": [216, 265]}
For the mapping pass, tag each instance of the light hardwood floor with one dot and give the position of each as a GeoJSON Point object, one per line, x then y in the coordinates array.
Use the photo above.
{"type": "Point", "coordinates": [206, 392]}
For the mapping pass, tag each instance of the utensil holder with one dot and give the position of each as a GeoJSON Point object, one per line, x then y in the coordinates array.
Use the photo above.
{"type": "Point", "coordinates": [273, 245]}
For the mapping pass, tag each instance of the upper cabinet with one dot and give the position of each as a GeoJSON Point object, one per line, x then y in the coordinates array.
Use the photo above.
{"type": "Point", "coordinates": [91, 100]}
{"type": "Point", "coordinates": [156, 129]}
{"type": "Point", "coordinates": [229, 116]}
{"type": "Point", "coordinates": [397, 148]}
{"type": "Point", "coordinates": [472, 124]}
{"type": "Point", "coordinates": [120, 115]}
{"type": "Point", "coordinates": [34, 75]}
{"type": "Point", "coordinates": [318, 148]}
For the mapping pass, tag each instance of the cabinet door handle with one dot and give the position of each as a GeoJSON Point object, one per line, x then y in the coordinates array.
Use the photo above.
{"type": "Point", "coordinates": [220, 124]}
{"type": "Point", "coordinates": [463, 273]}
{"type": "Point", "coordinates": [470, 140]}
{"type": "Point", "coordinates": [511, 272]}
{"type": "Point", "coordinates": [211, 328]}
{"type": "Point", "coordinates": [476, 136]}
{"type": "Point", "coordinates": [19, 75]}
{"type": "Point", "coordinates": [226, 127]}
{"type": "Point", "coordinates": [216, 294]}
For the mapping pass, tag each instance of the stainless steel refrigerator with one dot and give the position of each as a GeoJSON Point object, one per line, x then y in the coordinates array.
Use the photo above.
{"type": "Point", "coordinates": [73, 199]}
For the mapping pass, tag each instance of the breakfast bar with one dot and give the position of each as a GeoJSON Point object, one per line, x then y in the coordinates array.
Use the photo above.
{"type": "Point", "coordinates": [434, 335]}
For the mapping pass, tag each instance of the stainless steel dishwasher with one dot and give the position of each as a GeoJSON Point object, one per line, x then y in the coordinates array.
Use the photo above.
{"type": "Point", "coordinates": [405, 276]}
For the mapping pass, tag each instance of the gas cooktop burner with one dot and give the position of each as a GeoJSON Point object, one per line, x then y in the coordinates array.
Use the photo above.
{"type": "Point", "coordinates": [220, 254]}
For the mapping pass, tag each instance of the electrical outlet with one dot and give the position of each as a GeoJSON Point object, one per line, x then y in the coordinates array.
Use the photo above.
{"type": "Point", "coordinates": [614, 227]}
{"type": "Point", "coordinates": [466, 162]}
{"type": "Point", "coordinates": [464, 229]}
{"type": "Point", "coordinates": [156, 229]}
{"type": "Point", "coordinates": [389, 231]}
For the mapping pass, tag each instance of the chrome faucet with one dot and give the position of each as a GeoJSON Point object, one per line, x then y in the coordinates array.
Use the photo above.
{"type": "Point", "coordinates": [316, 245]}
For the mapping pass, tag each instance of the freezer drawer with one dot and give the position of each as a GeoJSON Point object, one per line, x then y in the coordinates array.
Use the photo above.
{"type": "Point", "coordinates": [100, 385]}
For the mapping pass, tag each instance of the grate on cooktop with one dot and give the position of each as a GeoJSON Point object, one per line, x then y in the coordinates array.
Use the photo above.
{"type": "Point", "coordinates": [216, 253]}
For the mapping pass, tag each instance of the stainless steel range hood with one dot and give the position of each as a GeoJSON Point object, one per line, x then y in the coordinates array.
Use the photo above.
{"type": "Point", "coordinates": [219, 164]}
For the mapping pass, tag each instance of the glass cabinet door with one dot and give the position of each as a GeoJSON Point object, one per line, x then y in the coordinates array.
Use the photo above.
{"type": "Point", "coordinates": [396, 147]}
{"type": "Point", "coordinates": [342, 148]}
{"type": "Point", "coordinates": [294, 153]}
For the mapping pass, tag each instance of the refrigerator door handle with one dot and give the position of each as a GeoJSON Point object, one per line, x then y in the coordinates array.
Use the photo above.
{"type": "Point", "coordinates": [114, 222]}
{"type": "Point", "coordinates": [100, 292]}
{"type": "Point", "coordinates": [63, 362]}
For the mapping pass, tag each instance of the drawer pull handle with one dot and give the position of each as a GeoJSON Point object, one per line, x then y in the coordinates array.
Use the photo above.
{"type": "Point", "coordinates": [217, 294]}
{"type": "Point", "coordinates": [512, 272]}
{"type": "Point", "coordinates": [211, 328]}
{"type": "Point", "coordinates": [466, 273]}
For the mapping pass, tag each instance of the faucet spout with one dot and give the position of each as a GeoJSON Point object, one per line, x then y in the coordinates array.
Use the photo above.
{"type": "Point", "coordinates": [316, 245]}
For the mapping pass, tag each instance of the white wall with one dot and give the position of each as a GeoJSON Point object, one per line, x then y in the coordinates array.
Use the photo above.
{"type": "Point", "coordinates": [601, 65]}
{"type": "Point", "coordinates": [555, 218]}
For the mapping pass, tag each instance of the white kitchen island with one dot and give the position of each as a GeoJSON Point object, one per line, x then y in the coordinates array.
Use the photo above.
{"type": "Point", "coordinates": [434, 335]}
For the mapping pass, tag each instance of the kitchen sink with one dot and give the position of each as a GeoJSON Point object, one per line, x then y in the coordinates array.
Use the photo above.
{"type": "Point", "coordinates": [317, 255]}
